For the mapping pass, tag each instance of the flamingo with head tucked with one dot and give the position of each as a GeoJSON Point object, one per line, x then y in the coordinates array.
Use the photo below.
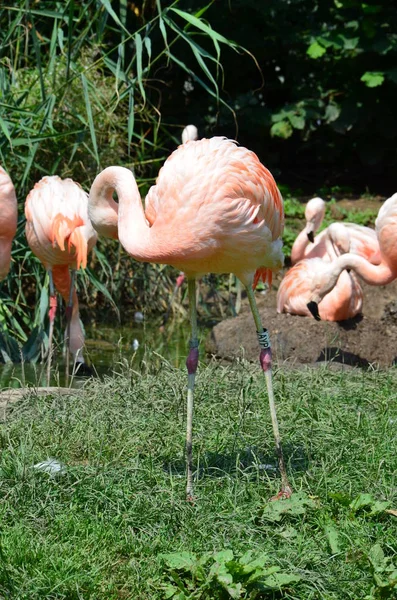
{"type": "Point", "coordinates": [8, 221]}
{"type": "Point", "coordinates": [363, 240]}
{"type": "Point", "coordinates": [214, 208]}
{"type": "Point", "coordinates": [378, 274]}
{"type": "Point", "coordinates": [345, 299]}
{"type": "Point", "coordinates": [60, 234]}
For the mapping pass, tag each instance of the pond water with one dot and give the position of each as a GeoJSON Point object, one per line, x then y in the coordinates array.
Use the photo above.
{"type": "Point", "coordinates": [107, 345]}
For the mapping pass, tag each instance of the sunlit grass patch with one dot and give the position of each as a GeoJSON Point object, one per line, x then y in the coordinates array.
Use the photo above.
{"type": "Point", "coordinates": [100, 529]}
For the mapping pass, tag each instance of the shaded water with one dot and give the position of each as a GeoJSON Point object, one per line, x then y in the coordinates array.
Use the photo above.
{"type": "Point", "coordinates": [106, 346]}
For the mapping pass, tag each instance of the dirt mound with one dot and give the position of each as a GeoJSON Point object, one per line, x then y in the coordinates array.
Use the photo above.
{"type": "Point", "coordinates": [366, 340]}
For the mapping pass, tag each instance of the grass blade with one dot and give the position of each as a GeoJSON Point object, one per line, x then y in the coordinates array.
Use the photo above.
{"type": "Point", "coordinates": [138, 48]}
{"type": "Point", "coordinates": [89, 115]}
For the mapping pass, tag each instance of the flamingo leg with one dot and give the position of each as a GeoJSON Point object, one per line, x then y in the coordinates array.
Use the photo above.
{"type": "Point", "coordinates": [191, 364]}
{"type": "Point", "coordinates": [69, 310]}
{"type": "Point", "coordinates": [51, 314]}
{"type": "Point", "coordinates": [265, 360]}
{"type": "Point", "coordinates": [237, 306]}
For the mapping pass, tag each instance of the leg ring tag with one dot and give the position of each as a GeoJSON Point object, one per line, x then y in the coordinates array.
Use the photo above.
{"type": "Point", "coordinates": [263, 339]}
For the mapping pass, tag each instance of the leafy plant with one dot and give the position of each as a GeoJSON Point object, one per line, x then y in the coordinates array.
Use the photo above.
{"type": "Point", "coordinates": [294, 506]}
{"type": "Point", "coordinates": [221, 575]}
{"type": "Point", "coordinates": [384, 573]}
{"type": "Point", "coordinates": [80, 88]}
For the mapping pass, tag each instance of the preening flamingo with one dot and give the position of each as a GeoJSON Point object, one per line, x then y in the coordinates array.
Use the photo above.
{"type": "Point", "coordinates": [214, 208]}
{"type": "Point", "coordinates": [363, 240]}
{"type": "Point", "coordinates": [379, 274]}
{"type": "Point", "coordinates": [60, 234]}
{"type": "Point", "coordinates": [8, 221]}
{"type": "Point", "coordinates": [190, 132]}
{"type": "Point", "coordinates": [345, 299]}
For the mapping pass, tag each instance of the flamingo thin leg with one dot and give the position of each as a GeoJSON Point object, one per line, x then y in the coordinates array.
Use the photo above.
{"type": "Point", "coordinates": [51, 314]}
{"type": "Point", "coordinates": [191, 364]}
{"type": "Point", "coordinates": [69, 310]}
{"type": "Point", "coordinates": [265, 360]}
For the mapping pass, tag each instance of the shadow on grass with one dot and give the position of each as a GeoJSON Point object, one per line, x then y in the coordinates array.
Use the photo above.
{"type": "Point", "coordinates": [247, 462]}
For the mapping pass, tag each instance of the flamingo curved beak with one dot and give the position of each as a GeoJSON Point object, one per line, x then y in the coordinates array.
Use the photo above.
{"type": "Point", "coordinates": [313, 307]}
{"type": "Point", "coordinates": [310, 236]}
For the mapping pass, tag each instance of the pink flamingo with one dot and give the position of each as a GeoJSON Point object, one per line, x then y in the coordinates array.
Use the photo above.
{"type": "Point", "coordinates": [190, 132]}
{"type": "Point", "coordinates": [345, 299]}
{"type": "Point", "coordinates": [379, 274]}
{"type": "Point", "coordinates": [8, 221]}
{"type": "Point", "coordinates": [60, 234]}
{"type": "Point", "coordinates": [363, 240]}
{"type": "Point", "coordinates": [214, 208]}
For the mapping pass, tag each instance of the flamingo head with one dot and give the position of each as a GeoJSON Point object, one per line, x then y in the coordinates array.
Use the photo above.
{"type": "Point", "coordinates": [314, 214]}
{"type": "Point", "coordinates": [322, 282]}
{"type": "Point", "coordinates": [340, 238]}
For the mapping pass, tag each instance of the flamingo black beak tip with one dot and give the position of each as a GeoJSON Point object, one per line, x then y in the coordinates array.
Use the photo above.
{"type": "Point", "coordinates": [310, 236]}
{"type": "Point", "coordinates": [313, 307]}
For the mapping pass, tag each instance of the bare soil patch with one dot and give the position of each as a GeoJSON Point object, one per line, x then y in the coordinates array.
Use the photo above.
{"type": "Point", "coordinates": [367, 340]}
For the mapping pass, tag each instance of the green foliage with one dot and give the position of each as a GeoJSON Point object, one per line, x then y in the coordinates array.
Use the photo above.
{"type": "Point", "coordinates": [373, 79]}
{"type": "Point", "coordinates": [221, 575]}
{"type": "Point", "coordinates": [384, 572]}
{"type": "Point", "coordinates": [297, 505]}
{"type": "Point", "coordinates": [334, 64]}
{"type": "Point", "coordinates": [100, 529]}
{"type": "Point", "coordinates": [80, 90]}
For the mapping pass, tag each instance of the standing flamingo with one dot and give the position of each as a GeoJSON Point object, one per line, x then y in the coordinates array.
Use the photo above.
{"type": "Point", "coordinates": [214, 208]}
{"type": "Point", "coordinates": [60, 234]}
{"type": "Point", "coordinates": [380, 274]}
{"type": "Point", "coordinates": [190, 133]}
{"type": "Point", "coordinates": [363, 240]}
{"type": "Point", "coordinates": [8, 221]}
{"type": "Point", "coordinates": [345, 299]}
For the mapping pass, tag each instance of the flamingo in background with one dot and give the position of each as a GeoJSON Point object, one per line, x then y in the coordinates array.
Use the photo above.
{"type": "Point", "coordinates": [60, 234]}
{"type": "Point", "coordinates": [379, 274]}
{"type": "Point", "coordinates": [214, 208]}
{"type": "Point", "coordinates": [8, 221]}
{"type": "Point", "coordinates": [345, 299]}
{"type": "Point", "coordinates": [363, 240]}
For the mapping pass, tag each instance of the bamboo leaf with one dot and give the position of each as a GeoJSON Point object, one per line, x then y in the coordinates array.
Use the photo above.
{"type": "Point", "coordinates": [131, 117]}
{"type": "Point", "coordinates": [89, 115]}
{"type": "Point", "coordinates": [198, 52]}
{"type": "Point", "coordinates": [161, 25]}
{"type": "Point", "coordinates": [107, 5]}
{"type": "Point", "coordinates": [214, 35]}
{"type": "Point", "coordinates": [4, 128]}
{"type": "Point", "coordinates": [148, 45]}
{"type": "Point", "coordinates": [138, 48]}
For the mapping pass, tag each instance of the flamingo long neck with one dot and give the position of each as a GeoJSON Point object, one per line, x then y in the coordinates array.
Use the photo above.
{"type": "Point", "coordinates": [373, 274]}
{"type": "Point", "coordinates": [134, 232]}
{"type": "Point", "coordinates": [299, 246]}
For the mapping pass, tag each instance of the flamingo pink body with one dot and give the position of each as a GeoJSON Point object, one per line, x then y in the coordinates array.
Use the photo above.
{"type": "Point", "coordinates": [380, 274]}
{"type": "Point", "coordinates": [345, 299]}
{"type": "Point", "coordinates": [214, 208]}
{"type": "Point", "coordinates": [60, 234]}
{"type": "Point", "coordinates": [363, 240]}
{"type": "Point", "coordinates": [8, 221]}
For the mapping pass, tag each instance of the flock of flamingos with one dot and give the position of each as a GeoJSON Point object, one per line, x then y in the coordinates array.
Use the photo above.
{"type": "Point", "coordinates": [214, 208]}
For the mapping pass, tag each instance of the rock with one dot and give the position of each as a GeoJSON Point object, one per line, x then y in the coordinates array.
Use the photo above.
{"type": "Point", "coordinates": [363, 341]}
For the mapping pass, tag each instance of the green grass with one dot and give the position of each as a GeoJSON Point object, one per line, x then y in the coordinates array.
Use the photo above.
{"type": "Point", "coordinates": [99, 530]}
